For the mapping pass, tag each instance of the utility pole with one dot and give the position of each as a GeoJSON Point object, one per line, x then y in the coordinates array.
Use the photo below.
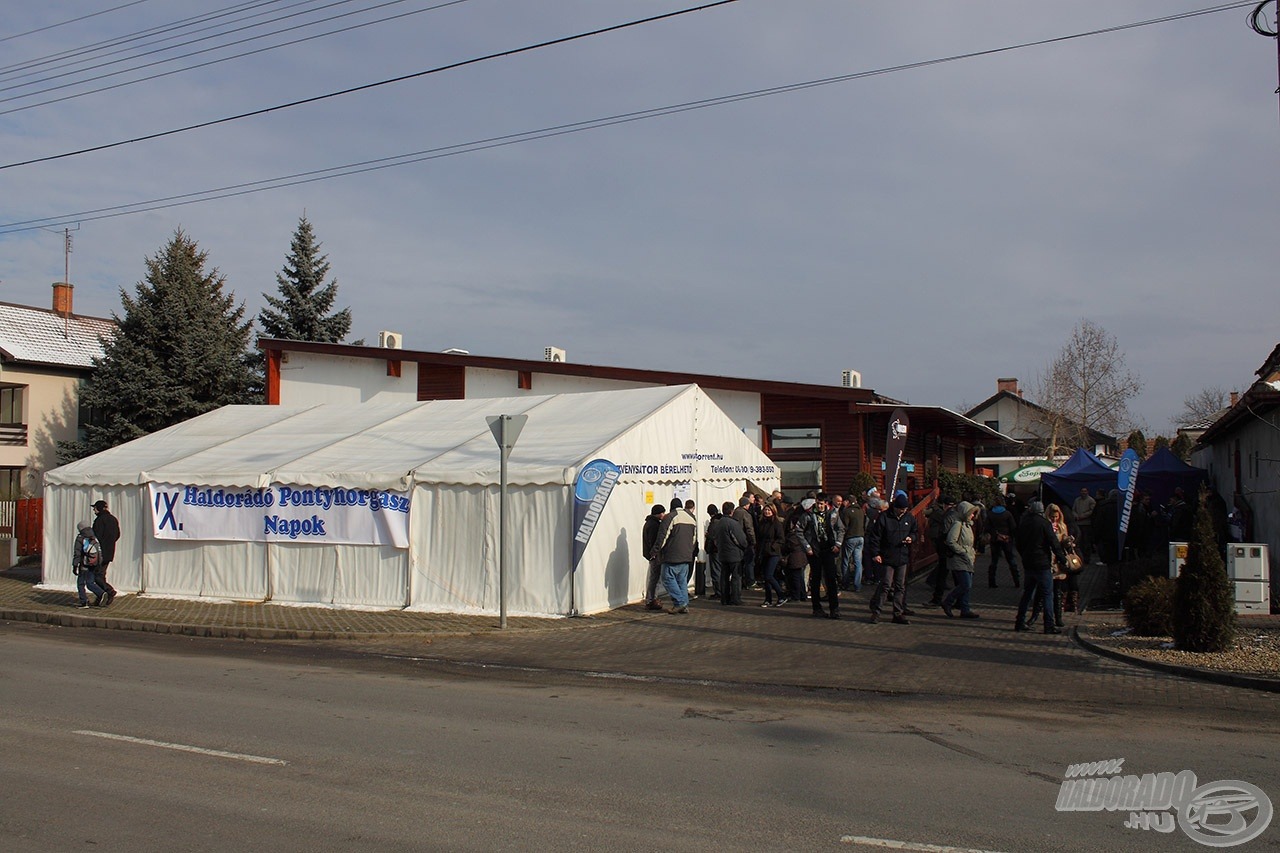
{"type": "Point", "coordinates": [1258, 26]}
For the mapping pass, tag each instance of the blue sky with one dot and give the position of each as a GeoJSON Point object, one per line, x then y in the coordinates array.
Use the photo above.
{"type": "Point", "coordinates": [933, 228]}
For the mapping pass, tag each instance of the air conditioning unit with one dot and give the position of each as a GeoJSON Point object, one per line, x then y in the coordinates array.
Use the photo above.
{"type": "Point", "coordinates": [390, 340]}
{"type": "Point", "coordinates": [851, 379]}
{"type": "Point", "coordinates": [553, 354]}
{"type": "Point", "coordinates": [1249, 571]}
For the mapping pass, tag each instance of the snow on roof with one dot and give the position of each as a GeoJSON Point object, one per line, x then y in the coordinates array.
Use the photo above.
{"type": "Point", "coordinates": [42, 336]}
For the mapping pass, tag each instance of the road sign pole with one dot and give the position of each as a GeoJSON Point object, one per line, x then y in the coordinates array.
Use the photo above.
{"type": "Point", "coordinates": [506, 429]}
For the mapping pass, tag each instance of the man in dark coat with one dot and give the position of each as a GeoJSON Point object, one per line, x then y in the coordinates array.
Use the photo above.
{"type": "Point", "coordinates": [731, 542]}
{"type": "Point", "coordinates": [649, 538]}
{"type": "Point", "coordinates": [889, 541]}
{"type": "Point", "coordinates": [107, 530]}
{"type": "Point", "coordinates": [1038, 545]}
{"type": "Point", "coordinates": [941, 517]}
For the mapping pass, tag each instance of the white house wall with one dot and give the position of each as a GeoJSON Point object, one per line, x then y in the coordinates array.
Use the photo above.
{"type": "Point", "coordinates": [51, 411]}
{"type": "Point", "coordinates": [310, 378]}
{"type": "Point", "coordinates": [1259, 443]}
{"type": "Point", "coordinates": [488, 382]}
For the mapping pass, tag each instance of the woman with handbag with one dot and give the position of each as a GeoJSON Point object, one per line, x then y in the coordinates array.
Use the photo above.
{"type": "Point", "coordinates": [1066, 588]}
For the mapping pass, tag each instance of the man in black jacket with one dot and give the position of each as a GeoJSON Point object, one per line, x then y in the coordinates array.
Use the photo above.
{"type": "Point", "coordinates": [649, 538]}
{"type": "Point", "coordinates": [889, 540]}
{"type": "Point", "coordinates": [107, 531]}
{"type": "Point", "coordinates": [941, 518]}
{"type": "Point", "coordinates": [1038, 545]}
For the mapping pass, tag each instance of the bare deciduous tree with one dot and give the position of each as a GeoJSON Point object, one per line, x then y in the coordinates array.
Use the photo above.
{"type": "Point", "coordinates": [1202, 405]}
{"type": "Point", "coordinates": [1086, 387]}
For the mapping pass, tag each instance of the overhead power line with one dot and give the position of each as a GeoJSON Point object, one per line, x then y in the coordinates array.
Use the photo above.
{"type": "Point", "coordinates": [70, 21]}
{"type": "Point", "coordinates": [205, 50]}
{"type": "Point", "coordinates": [424, 155]}
{"type": "Point", "coordinates": [453, 65]}
{"type": "Point", "coordinates": [157, 34]}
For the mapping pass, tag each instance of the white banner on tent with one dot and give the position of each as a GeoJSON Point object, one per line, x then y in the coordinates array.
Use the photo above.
{"type": "Point", "coordinates": [280, 513]}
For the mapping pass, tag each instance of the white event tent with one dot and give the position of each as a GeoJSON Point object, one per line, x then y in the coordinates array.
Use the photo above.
{"type": "Point", "coordinates": [442, 458]}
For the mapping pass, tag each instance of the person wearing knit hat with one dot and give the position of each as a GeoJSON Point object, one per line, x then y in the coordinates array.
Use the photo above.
{"type": "Point", "coordinates": [889, 542]}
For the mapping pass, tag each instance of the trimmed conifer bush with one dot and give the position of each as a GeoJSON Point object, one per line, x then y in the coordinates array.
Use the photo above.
{"type": "Point", "coordinates": [1204, 614]}
{"type": "Point", "coordinates": [1148, 607]}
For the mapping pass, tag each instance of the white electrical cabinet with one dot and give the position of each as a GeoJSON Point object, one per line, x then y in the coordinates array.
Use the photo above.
{"type": "Point", "coordinates": [1177, 558]}
{"type": "Point", "coordinates": [1249, 571]}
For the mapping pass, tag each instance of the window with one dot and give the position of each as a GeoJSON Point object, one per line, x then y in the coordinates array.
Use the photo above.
{"type": "Point", "coordinates": [795, 438]}
{"type": "Point", "coordinates": [11, 404]}
{"type": "Point", "coordinates": [10, 484]}
{"type": "Point", "coordinates": [995, 425]}
{"type": "Point", "coordinates": [800, 476]}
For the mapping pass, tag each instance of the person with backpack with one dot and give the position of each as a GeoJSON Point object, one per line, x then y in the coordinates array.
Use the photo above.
{"type": "Point", "coordinates": [86, 556]}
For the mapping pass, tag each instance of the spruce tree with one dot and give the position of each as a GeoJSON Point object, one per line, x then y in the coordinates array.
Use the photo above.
{"type": "Point", "coordinates": [180, 350]}
{"type": "Point", "coordinates": [1204, 614]}
{"type": "Point", "coordinates": [301, 311]}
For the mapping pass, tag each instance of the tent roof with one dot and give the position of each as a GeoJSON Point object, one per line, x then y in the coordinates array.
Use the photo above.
{"type": "Point", "coordinates": [1082, 469]}
{"type": "Point", "coordinates": [1165, 461]}
{"type": "Point", "coordinates": [391, 445]}
{"type": "Point", "coordinates": [1163, 472]}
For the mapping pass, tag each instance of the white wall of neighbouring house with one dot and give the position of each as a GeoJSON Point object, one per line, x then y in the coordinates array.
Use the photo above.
{"type": "Point", "coordinates": [51, 411]}
{"type": "Point", "coordinates": [488, 382]}
{"type": "Point", "coordinates": [307, 379]}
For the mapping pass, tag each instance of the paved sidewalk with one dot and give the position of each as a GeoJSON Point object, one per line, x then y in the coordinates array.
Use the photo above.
{"type": "Point", "coordinates": [21, 601]}
{"type": "Point", "coordinates": [748, 645]}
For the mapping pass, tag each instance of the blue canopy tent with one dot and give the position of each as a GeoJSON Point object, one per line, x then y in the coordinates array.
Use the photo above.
{"type": "Point", "coordinates": [1164, 472]}
{"type": "Point", "coordinates": [1082, 469]}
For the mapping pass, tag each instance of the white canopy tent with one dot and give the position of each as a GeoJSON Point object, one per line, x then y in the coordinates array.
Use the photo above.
{"type": "Point", "coordinates": [441, 457]}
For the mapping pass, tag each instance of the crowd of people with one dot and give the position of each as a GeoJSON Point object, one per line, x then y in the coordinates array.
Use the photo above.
{"type": "Point", "coordinates": [812, 550]}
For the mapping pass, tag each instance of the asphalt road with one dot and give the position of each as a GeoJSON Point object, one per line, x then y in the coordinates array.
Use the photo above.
{"type": "Point", "coordinates": [118, 741]}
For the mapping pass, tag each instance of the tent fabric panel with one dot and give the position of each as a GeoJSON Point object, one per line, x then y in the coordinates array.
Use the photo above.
{"type": "Point", "coordinates": [690, 424]}
{"type": "Point", "coordinates": [371, 576]}
{"type": "Point", "coordinates": [175, 570]}
{"type": "Point", "coordinates": [236, 570]}
{"type": "Point", "coordinates": [446, 534]}
{"type": "Point", "coordinates": [302, 574]}
{"type": "Point", "coordinates": [538, 548]}
{"type": "Point", "coordinates": [65, 506]}
{"type": "Point", "coordinates": [613, 567]}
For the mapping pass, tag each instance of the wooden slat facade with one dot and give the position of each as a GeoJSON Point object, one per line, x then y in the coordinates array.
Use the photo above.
{"type": "Point", "coordinates": [442, 382]}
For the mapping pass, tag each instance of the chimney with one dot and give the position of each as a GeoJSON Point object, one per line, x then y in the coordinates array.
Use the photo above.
{"type": "Point", "coordinates": [62, 298]}
{"type": "Point", "coordinates": [1235, 398]}
{"type": "Point", "coordinates": [1010, 385]}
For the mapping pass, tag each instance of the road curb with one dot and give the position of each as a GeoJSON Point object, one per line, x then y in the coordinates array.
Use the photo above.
{"type": "Point", "coordinates": [245, 632]}
{"type": "Point", "coordinates": [1231, 679]}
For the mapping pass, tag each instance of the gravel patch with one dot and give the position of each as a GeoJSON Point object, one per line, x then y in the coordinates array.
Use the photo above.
{"type": "Point", "coordinates": [1255, 651]}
